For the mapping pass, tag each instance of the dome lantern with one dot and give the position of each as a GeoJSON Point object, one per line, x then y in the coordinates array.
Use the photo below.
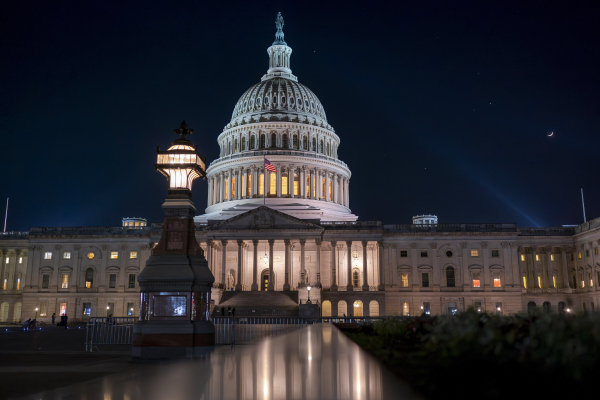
{"type": "Point", "coordinates": [279, 55]}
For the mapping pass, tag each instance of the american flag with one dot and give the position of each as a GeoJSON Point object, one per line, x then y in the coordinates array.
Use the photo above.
{"type": "Point", "coordinates": [270, 166]}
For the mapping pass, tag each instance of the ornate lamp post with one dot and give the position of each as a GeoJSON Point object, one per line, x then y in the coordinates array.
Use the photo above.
{"type": "Point", "coordinates": [176, 283]}
{"type": "Point", "coordinates": [308, 301]}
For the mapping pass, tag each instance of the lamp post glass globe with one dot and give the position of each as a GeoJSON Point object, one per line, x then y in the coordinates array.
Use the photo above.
{"type": "Point", "coordinates": [308, 301]}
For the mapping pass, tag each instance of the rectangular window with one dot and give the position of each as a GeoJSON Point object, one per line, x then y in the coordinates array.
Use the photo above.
{"type": "Point", "coordinates": [525, 282]}
{"type": "Point", "coordinates": [476, 283]}
{"type": "Point", "coordinates": [261, 185]}
{"type": "Point", "coordinates": [587, 253]}
{"type": "Point", "coordinates": [598, 280]}
{"type": "Point", "coordinates": [495, 253]}
{"type": "Point", "coordinates": [87, 309]}
{"type": "Point", "coordinates": [110, 309]}
{"type": "Point", "coordinates": [423, 253]}
{"type": "Point", "coordinates": [579, 254]}
{"type": "Point", "coordinates": [45, 281]}
{"type": "Point", "coordinates": [273, 184]}
{"type": "Point", "coordinates": [130, 309]}
{"type": "Point", "coordinates": [133, 254]}
{"type": "Point", "coordinates": [425, 279]}
{"type": "Point", "coordinates": [5, 284]}
{"type": "Point", "coordinates": [595, 250]}
{"type": "Point", "coordinates": [21, 259]}
{"type": "Point", "coordinates": [8, 259]}
{"type": "Point", "coordinates": [284, 185]}
{"type": "Point", "coordinates": [19, 284]}
{"type": "Point", "coordinates": [296, 187]}
{"type": "Point", "coordinates": [112, 281]}
{"type": "Point", "coordinates": [574, 282]}
{"type": "Point", "coordinates": [114, 255]}
{"type": "Point", "coordinates": [539, 281]}
{"type": "Point", "coordinates": [554, 281]}
{"type": "Point", "coordinates": [62, 309]}
{"type": "Point", "coordinates": [522, 257]}
{"type": "Point", "coordinates": [551, 257]}
{"type": "Point", "coordinates": [64, 281]}
{"type": "Point", "coordinates": [404, 279]}
{"type": "Point", "coordinates": [591, 281]}
{"type": "Point", "coordinates": [477, 306]}
{"type": "Point", "coordinates": [403, 253]}
{"type": "Point", "coordinates": [43, 309]}
{"type": "Point", "coordinates": [426, 308]}
{"type": "Point", "coordinates": [48, 255]}
{"type": "Point", "coordinates": [405, 309]}
{"type": "Point", "coordinates": [537, 257]}
{"type": "Point", "coordinates": [498, 308]}
{"type": "Point", "coordinates": [131, 281]}
{"type": "Point", "coordinates": [474, 253]}
{"type": "Point", "coordinates": [497, 282]}
{"type": "Point", "coordinates": [67, 255]}
{"type": "Point", "coordinates": [582, 282]}
{"type": "Point", "coordinates": [452, 308]}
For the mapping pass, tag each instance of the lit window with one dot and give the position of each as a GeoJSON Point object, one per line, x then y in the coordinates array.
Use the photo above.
{"type": "Point", "coordinates": [403, 253]}
{"type": "Point", "coordinates": [539, 281]}
{"type": "Point", "coordinates": [131, 281]}
{"type": "Point", "coordinates": [112, 281]}
{"type": "Point", "coordinates": [114, 255]}
{"type": "Point", "coordinates": [551, 257]}
{"type": "Point", "coordinates": [477, 306]}
{"type": "Point", "coordinates": [476, 283]}
{"type": "Point", "coordinates": [7, 259]}
{"type": "Point", "coordinates": [554, 281]}
{"type": "Point", "coordinates": [48, 255]}
{"type": "Point", "coordinates": [87, 309]}
{"type": "Point", "coordinates": [261, 185]}
{"type": "Point", "coordinates": [5, 284]}
{"type": "Point", "coordinates": [591, 281]}
{"type": "Point", "coordinates": [522, 257]}
{"type": "Point", "coordinates": [65, 281]}
{"type": "Point", "coordinates": [425, 279]}
{"type": "Point", "coordinates": [579, 254]}
{"type": "Point", "coordinates": [452, 310]}
{"type": "Point", "coordinates": [133, 254]}
{"type": "Point", "coordinates": [67, 255]}
{"type": "Point", "coordinates": [273, 183]}
{"type": "Point", "coordinates": [474, 253]}
{"type": "Point", "coordinates": [498, 309]}
{"type": "Point", "coordinates": [19, 284]}
{"type": "Point", "coordinates": [423, 253]}
{"type": "Point", "coordinates": [130, 309]}
{"type": "Point", "coordinates": [90, 255]}
{"type": "Point", "coordinates": [89, 278]}
{"type": "Point", "coordinates": [43, 309]}
{"type": "Point", "coordinates": [284, 185]}
{"type": "Point", "coordinates": [62, 309]}
{"type": "Point", "coordinates": [426, 308]}
{"type": "Point", "coordinates": [45, 281]}
{"type": "Point", "coordinates": [405, 309]}
{"type": "Point", "coordinates": [405, 279]}
{"type": "Point", "coordinates": [20, 260]}
{"type": "Point", "coordinates": [296, 185]}
{"type": "Point", "coordinates": [525, 282]}
{"type": "Point", "coordinates": [595, 250]}
{"type": "Point", "coordinates": [537, 257]}
{"type": "Point", "coordinates": [137, 223]}
{"type": "Point", "coordinates": [582, 282]}
{"type": "Point", "coordinates": [495, 253]}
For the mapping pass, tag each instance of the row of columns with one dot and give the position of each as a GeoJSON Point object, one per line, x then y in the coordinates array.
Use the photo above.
{"type": "Point", "coordinates": [10, 262]}
{"type": "Point", "coordinates": [228, 147]}
{"type": "Point", "coordinates": [214, 245]}
{"type": "Point", "coordinates": [530, 266]}
{"type": "Point", "coordinates": [243, 183]}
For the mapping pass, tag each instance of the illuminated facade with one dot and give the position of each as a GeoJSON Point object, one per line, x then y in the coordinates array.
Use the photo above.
{"type": "Point", "coordinates": [306, 235]}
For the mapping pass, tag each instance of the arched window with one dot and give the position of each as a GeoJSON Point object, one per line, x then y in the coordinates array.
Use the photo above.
{"type": "Point", "coordinates": [243, 144]}
{"type": "Point", "coordinates": [295, 141]}
{"type": "Point", "coordinates": [252, 142]}
{"type": "Point", "coordinates": [314, 144]}
{"type": "Point", "coordinates": [374, 308]}
{"type": "Point", "coordinates": [261, 184]}
{"type": "Point", "coordinates": [356, 279]}
{"type": "Point", "coordinates": [531, 307]}
{"type": "Point", "coordinates": [226, 188]}
{"type": "Point", "coordinates": [284, 143]}
{"type": "Point", "coordinates": [321, 147]}
{"type": "Point", "coordinates": [4, 312]}
{"type": "Point", "coordinates": [273, 184]}
{"type": "Point", "coordinates": [561, 307]}
{"type": "Point", "coordinates": [328, 149]}
{"type": "Point", "coordinates": [228, 148]}
{"type": "Point", "coordinates": [450, 277]}
{"type": "Point", "coordinates": [262, 141]}
{"type": "Point", "coordinates": [358, 309]}
{"type": "Point", "coordinates": [235, 148]}
{"type": "Point", "coordinates": [546, 307]}
{"type": "Point", "coordinates": [284, 184]}
{"type": "Point", "coordinates": [342, 308]}
{"type": "Point", "coordinates": [296, 185]}
{"type": "Point", "coordinates": [304, 143]}
{"type": "Point", "coordinates": [326, 309]}
{"type": "Point", "coordinates": [273, 140]}
{"type": "Point", "coordinates": [89, 278]}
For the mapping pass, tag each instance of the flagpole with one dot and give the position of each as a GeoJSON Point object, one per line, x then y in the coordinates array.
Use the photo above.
{"type": "Point", "coordinates": [6, 214]}
{"type": "Point", "coordinates": [264, 182]}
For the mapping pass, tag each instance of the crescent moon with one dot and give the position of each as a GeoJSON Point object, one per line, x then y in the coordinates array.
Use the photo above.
{"type": "Point", "coordinates": [551, 134]}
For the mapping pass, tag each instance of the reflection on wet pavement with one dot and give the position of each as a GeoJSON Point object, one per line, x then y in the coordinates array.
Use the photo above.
{"type": "Point", "coordinates": [316, 362]}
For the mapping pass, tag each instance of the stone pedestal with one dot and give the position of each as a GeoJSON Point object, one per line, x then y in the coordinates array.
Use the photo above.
{"type": "Point", "coordinates": [309, 311]}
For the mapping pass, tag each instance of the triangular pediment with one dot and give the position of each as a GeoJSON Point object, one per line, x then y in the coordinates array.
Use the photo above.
{"type": "Point", "coordinates": [263, 218]}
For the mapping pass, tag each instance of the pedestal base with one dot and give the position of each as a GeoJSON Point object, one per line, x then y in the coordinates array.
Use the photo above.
{"type": "Point", "coordinates": [172, 339]}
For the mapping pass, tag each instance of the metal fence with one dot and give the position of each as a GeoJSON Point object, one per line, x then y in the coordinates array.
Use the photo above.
{"type": "Point", "coordinates": [228, 330]}
{"type": "Point", "coordinates": [109, 330]}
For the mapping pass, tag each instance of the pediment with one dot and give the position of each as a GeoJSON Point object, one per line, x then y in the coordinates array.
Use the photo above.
{"type": "Point", "coordinates": [263, 218]}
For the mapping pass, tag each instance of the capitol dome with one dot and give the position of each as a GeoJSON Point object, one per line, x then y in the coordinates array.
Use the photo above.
{"type": "Point", "coordinates": [278, 150]}
{"type": "Point", "coordinates": [276, 95]}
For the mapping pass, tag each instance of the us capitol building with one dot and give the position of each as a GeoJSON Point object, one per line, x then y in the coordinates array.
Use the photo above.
{"type": "Point", "coordinates": [270, 236]}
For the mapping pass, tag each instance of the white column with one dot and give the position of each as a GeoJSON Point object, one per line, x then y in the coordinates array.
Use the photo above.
{"type": "Point", "coordinates": [209, 200]}
{"type": "Point", "coordinates": [311, 184]}
{"type": "Point", "coordinates": [349, 266]}
{"type": "Point", "coordinates": [286, 282]}
{"type": "Point", "coordinates": [279, 173]}
{"type": "Point", "coordinates": [327, 186]}
{"type": "Point", "coordinates": [223, 262]}
{"type": "Point", "coordinates": [302, 262]}
{"type": "Point", "coordinates": [381, 286]}
{"type": "Point", "coordinates": [291, 173]}
{"type": "Point", "coordinates": [238, 286]}
{"type": "Point", "coordinates": [365, 286]}
{"type": "Point", "coordinates": [348, 193]}
{"type": "Point", "coordinates": [254, 286]}
{"type": "Point", "coordinates": [335, 188]}
{"type": "Point", "coordinates": [333, 287]}
{"type": "Point", "coordinates": [563, 252]}
{"type": "Point", "coordinates": [245, 184]}
{"type": "Point", "coordinates": [254, 182]}
{"type": "Point", "coordinates": [303, 182]}
{"type": "Point", "coordinates": [271, 286]}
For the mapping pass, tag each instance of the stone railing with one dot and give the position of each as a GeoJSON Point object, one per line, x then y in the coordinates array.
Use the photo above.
{"type": "Point", "coordinates": [87, 290]}
{"type": "Point", "coordinates": [271, 152]}
{"type": "Point", "coordinates": [562, 231]}
{"type": "Point", "coordinates": [90, 230]}
{"type": "Point", "coordinates": [494, 227]}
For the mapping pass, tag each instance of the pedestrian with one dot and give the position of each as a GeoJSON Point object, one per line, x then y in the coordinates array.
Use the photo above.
{"type": "Point", "coordinates": [62, 320]}
{"type": "Point", "coordinates": [233, 312]}
{"type": "Point", "coordinates": [26, 324]}
{"type": "Point", "coordinates": [229, 310]}
{"type": "Point", "coordinates": [53, 318]}
{"type": "Point", "coordinates": [66, 319]}
{"type": "Point", "coordinates": [222, 311]}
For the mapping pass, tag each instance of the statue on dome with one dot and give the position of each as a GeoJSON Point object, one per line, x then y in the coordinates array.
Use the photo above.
{"type": "Point", "coordinates": [279, 22]}
{"type": "Point", "coordinates": [279, 33]}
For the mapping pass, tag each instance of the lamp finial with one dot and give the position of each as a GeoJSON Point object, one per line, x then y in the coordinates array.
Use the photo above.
{"type": "Point", "coordinates": [182, 130]}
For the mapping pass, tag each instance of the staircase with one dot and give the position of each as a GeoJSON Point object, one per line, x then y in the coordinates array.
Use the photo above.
{"type": "Point", "coordinates": [259, 304]}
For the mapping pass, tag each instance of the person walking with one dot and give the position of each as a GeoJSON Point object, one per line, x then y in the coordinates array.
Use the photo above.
{"type": "Point", "coordinates": [233, 312]}
{"type": "Point", "coordinates": [53, 318]}
{"type": "Point", "coordinates": [229, 310]}
{"type": "Point", "coordinates": [62, 320]}
{"type": "Point", "coordinates": [222, 311]}
{"type": "Point", "coordinates": [66, 319]}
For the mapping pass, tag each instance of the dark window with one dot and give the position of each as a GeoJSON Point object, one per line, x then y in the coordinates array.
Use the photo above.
{"type": "Point", "coordinates": [574, 283]}
{"type": "Point", "coordinates": [450, 277]}
{"type": "Point", "coordinates": [531, 307]}
{"type": "Point", "coordinates": [587, 253]}
{"type": "Point", "coordinates": [572, 256]}
{"type": "Point", "coordinates": [295, 142]}
{"type": "Point", "coordinates": [252, 142]}
{"type": "Point", "coordinates": [87, 309]}
{"type": "Point", "coordinates": [285, 144]}
{"type": "Point", "coordinates": [477, 306]}
{"type": "Point", "coordinates": [403, 253]}
{"type": "Point", "coordinates": [314, 144]}
{"type": "Point", "coordinates": [130, 309]}
{"type": "Point", "coordinates": [45, 281]}
{"type": "Point", "coordinates": [131, 281]}
{"type": "Point", "coordinates": [426, 308]}
{"type": "Point", "coordinates": [243, 144]}
{"type": "Point", "coordinates": [321, 147]}
{"type": "Point", "coordinates": [546, 307]}
{"type": "Point", "coordinates": [112, 280]}
{"type": "Point", "coordinates": [425, 279]}
{"type": "Point", "coordinates": [262, 141]}
{"type": "Point", "coordinates": [495, 253]}
{"type": "Point", "coordinates": [89, 278]}
{"type": "Point", "coordinates": [273, 140]}
{"type": "Point", "coordinates": [235, 148]}
{"type": "Point", "coordinates": [449, 253]}
{"type": "Point", "coordinates": [355, 278]}
{"type": "Point", "coordinates": [423, 253]}
{"type": "Point", "coordinates": [305, 143]}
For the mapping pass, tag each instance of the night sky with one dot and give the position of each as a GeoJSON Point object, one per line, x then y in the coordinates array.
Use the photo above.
{"type": "Point", "coordinates": [441, 107]}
